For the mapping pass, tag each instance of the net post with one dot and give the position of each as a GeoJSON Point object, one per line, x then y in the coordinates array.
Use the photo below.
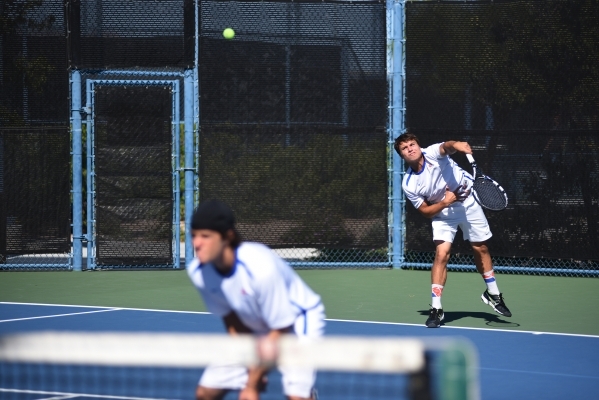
{"type": "Point", "coordinates": [458, 373]}
{"type": "Point", "coordinates": [420, 382]}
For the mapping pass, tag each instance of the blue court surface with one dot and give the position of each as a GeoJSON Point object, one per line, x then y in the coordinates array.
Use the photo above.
{"type": "Point", "coordinates": [513, 364]}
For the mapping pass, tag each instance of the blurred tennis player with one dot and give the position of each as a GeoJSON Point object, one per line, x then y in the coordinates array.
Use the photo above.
{"type": "Point", "coordinates": [440, 190]}
{"type": "Point", "coordinates": [254, 291]}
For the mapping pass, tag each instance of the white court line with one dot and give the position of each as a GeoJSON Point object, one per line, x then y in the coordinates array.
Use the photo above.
{"type": "Point", "coordinates": [119, 308]}
{"type": "Point", "coordinates": [540, 373]}
{"type": "Point", "coordinates": [328, 319]}
{"type": "Point", "coordinates": [471, 329]}
{"type": "Point", "coordinates": [58, 315]}
{"type": "Point", "coordinates": [71, 395]}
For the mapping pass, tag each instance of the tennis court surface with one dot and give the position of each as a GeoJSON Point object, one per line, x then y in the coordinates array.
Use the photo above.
{"type": "Point", "coordinates": [512, 361]}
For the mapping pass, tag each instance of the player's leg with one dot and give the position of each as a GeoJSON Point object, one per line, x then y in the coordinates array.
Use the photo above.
{"type": "Point", "coordinates": [217, 380]}
{"type": "Point", "coordinates": [444, 230]}
{"type": "Point", "coordinates": [482, 260]}
{"type": "Point", "coordinates": [476, 229]}
{"type": "Point", "coordinates": [484, 265]}
{"type": "Point", "coordinates": [204, 393]}
{"type": "Point", "coordinates": [438, 280]}
{"type": "Point", "coordinates": [492, 296]}
{"type": "Point", "coordinates": [439, 269]}
{"type": "Point", "coordinates": [298, 383]}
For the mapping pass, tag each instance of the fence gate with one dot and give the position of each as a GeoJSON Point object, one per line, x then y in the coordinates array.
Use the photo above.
{"type": "Point", "coordinates": [133, 152]}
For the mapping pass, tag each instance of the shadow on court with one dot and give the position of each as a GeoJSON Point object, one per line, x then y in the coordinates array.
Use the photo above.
{"type": "Point", "coordinates": [490, 319]}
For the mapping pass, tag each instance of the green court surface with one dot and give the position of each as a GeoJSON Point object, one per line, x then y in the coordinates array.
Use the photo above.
{"type": "Point", "coordinates": [538, 303]}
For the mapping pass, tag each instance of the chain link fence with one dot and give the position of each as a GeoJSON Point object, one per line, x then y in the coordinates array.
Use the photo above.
{"type": "Point", "coordinates": [34, 137]}
{"type": "Point", "coordinates": [293, 123]}
{"type": "Point", "coordinates": [293, 114]}
{"type": "Point", "coordinates": [133, 176]}
{"type": "Point", "coordinates": [518, 80]}
{"type": "Point", "coordinates": [132, 56]}
{"type": "Point", "coordinates": [34, 198]}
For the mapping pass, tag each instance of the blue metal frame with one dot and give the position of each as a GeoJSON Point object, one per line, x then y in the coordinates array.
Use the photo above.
{"type": "Point", "coordinates": [90, 88]}
{"type": "Point", "coordinates": [77, 170]}
{"type": "Point", "coordinates": [396, 78]}
{"type": "Point", "coordinates": [189, 251]}
{"type": "Point", "coordinates": [189, 161]}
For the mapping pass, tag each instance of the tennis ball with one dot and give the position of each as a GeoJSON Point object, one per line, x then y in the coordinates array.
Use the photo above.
{"type": "Point", "coordinates": [229, 33]}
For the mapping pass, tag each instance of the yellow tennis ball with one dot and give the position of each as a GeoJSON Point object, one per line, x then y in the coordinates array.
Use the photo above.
{"type": "Point", "coordinates": [229, 33]}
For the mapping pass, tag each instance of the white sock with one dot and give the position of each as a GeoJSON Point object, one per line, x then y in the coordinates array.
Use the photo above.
{"type": "Point", "coordinates": [437, 291]}
{"type": "Point", "coordinates": [489, 278]}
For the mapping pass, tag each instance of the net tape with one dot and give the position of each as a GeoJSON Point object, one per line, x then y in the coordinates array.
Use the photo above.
{"type": "Point", "coordinates": [167, 365]}
{"type": "Point", "coordinates": [198, 350]}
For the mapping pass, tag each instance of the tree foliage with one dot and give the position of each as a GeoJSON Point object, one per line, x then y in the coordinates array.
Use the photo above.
{"type": "Point", "coordinates": [318, 185]}
{"type": "Point", "coordinates": [535, 61]}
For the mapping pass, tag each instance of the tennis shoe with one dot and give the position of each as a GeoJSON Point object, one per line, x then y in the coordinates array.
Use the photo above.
{"type": "Point", "coordinates": [496, 302]}
{"type": "Point", "coordinates": [435, 317]}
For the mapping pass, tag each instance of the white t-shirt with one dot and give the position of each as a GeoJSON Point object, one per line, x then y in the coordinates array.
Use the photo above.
{"type": "Point", "coordinates": [438, 172]}
{"type": "Point", "coordinates": [262, 289]}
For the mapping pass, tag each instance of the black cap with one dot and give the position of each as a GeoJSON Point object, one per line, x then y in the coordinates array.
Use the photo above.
{"type": "Point", "coordinates": [214, 215]}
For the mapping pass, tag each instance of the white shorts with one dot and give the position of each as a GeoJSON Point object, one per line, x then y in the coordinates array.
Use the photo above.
{"type": "Point", "coordinates": [296, 382]}
{"type": "Point", "coordinates": [469, 216]}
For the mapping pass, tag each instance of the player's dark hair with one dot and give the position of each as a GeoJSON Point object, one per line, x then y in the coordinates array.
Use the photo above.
{"type": "Point", "coordinates": [404, 137]}
{"type": "Point", "coordinates": [217, 216]}
{"type": "Point", "coordinates": [214, 215]}
{"type": "Point", "coordinates": [234, 237]}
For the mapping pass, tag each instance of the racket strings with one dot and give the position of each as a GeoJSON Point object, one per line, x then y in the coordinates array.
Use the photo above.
{"type": "Point", "coordinates": [489, 194]}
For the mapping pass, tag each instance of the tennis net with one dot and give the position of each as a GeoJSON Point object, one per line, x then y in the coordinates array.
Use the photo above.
{"type": "Point", "coordinates": [61, 365]}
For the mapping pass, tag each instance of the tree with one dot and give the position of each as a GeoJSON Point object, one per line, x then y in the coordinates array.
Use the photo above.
{"type": "Point", "coordinates": [535, 63]}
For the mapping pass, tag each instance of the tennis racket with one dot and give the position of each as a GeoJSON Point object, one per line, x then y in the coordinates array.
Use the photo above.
{"type": "Point", "coordinates": [488, 193]}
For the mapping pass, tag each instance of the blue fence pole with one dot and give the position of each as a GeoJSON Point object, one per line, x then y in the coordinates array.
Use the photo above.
{"type": "Point", "coordinates": [196, 107]}
{"type": "Point", "coordinates": [177, 172]}
{"type": "Point", "coordinates": [89, 235]}
{"type": "Point", "coordinates": [189, 160]}
{"type": "Point", "coordinates": [396, 71]}
{"type": "Point", "coordinates": [77, 169]}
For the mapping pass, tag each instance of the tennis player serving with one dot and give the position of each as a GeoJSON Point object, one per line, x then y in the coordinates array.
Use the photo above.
{"type": "Point", "coordinates": [441, 190]}
{"type": "Point", "coordinates": [254, 291]}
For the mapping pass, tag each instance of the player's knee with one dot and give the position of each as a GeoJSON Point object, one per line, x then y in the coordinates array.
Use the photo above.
{"type": "Point", "coordinates": [442, 254]}
{"type": "Point", "coordinates": [203, 393]}
{"type": "Point", "coordinates": [442, 258]}
{"type": "Point", "coordinates": [480, 248]}
{"type": "Point", "coordinates": [442, 251]}
{"type": "Point", "coordinates": [200, 393]}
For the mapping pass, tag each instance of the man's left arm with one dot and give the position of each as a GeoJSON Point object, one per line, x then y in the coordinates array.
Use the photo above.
{"type": "Point", "coordinates": [257, 374]}
{"type": "Point", "coordinates": [278, 314]}
{"type": "Point", "coordinates": [452, 146]}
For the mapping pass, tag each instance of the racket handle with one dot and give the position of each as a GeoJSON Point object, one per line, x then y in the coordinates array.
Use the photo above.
{"type": "Point", "coordinates": [470, 158]}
